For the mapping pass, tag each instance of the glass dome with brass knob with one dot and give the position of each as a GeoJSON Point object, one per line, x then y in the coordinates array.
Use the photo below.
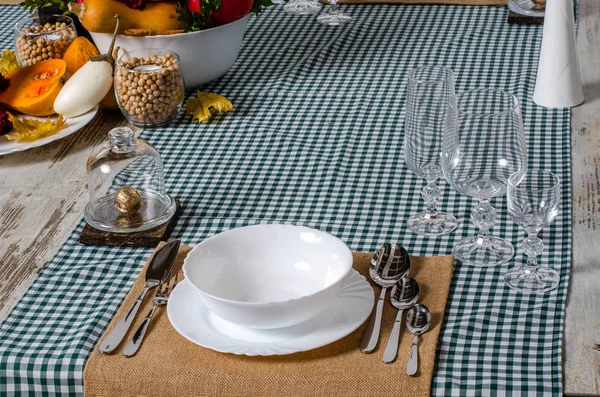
{"type": "Point", "coordinates": [126, 185]}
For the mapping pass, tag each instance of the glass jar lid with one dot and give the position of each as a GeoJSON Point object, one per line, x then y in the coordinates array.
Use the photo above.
{"type": "Point", "coordinates": [126, 185]}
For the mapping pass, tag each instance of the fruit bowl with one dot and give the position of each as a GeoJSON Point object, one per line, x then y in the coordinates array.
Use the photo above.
{"type": "Point", "coordinates": [204, 55]}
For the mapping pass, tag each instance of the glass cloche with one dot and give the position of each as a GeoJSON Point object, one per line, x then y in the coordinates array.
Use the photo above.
{"type": "Point", "coordinates": [126, 185]}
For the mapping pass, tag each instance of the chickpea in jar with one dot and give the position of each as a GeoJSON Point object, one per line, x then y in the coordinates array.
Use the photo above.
{"type": "Point", "coordinates": [36, 41]}
{"type": "Point", "coordinates": [149, 88]}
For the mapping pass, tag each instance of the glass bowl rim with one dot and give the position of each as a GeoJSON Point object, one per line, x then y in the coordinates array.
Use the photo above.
{"type": "Point", "coordinates": [21, 29]}
{"type": "Point", "coordinates": [153, 50]}
{"type": "Point", "coordinates": [555, 177]}
{"type": "Point", "coordinates": [516, 105]}
{"type": "Point", "coordinates": [424, 81]}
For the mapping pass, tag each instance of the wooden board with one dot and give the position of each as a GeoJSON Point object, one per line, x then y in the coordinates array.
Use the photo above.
{"type": "Point", "coordinates": [582, 322]}
{"type": "Point", "coordinates": [147, 238]}
{"type": "Point", "coordinates": [518, 19]}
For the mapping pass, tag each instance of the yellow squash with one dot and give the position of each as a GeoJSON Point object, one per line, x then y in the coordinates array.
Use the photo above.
{"type": "Point", "coordinates": [98, 16]}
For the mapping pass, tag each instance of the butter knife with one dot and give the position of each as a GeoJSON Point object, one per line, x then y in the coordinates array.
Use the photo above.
{"type": "Point", "coordinates": [158, 270]}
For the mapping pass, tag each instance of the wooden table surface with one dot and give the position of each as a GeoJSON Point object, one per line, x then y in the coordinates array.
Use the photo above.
{"type": "Point", "coordinates": [43, 194]}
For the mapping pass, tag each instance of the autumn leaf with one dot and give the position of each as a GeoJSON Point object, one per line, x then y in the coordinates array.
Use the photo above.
{"type": "Point", "coordinates": [205, 104]}
{"type": "Point", "coordinates": [29, 130]}
{"type": "Point", "coordinates": [8, 62]}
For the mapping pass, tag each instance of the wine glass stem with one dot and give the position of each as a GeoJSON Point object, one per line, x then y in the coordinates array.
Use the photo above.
{"type": "Point", "coordinates": [431, 194]}
{"type": "Point", "coordinates": [484, 217]}
{"type": "Point", "coordinates": [532, 247]}
{"type": "Point", "coordinates": [334, 5]}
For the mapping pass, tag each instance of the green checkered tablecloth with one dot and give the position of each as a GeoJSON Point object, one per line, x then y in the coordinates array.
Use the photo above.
{"type": "Point", "coordinates": [316, 139]}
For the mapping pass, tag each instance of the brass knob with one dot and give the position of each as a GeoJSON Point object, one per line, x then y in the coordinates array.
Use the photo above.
{"type": "Point", "coordinates": [128, 200]}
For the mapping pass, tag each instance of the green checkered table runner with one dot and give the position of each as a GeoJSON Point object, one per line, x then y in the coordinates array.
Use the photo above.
{"type": "Point", "coordinates": [316, 139]}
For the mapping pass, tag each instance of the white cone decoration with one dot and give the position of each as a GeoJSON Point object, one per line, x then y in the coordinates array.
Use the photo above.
{"type": "Point", "coordinates": [558, 83]}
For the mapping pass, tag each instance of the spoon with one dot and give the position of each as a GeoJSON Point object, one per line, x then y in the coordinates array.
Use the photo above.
{"type": "Point", "coordinates": [389, 264]}
{"type": "Point", "coordinates": [418, 320]}
{"type": "Point", "coordinates": [404, 295]}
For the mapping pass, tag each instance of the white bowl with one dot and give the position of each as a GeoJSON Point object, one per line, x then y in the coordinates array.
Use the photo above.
{"type": "Point", "coordinates": [205, 55]}
{"type": "Point", "coordinates": [268, 276]}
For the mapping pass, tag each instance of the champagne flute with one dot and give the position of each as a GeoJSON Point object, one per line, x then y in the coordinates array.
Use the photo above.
{"type": "Point", "coordinates": [429, 90]}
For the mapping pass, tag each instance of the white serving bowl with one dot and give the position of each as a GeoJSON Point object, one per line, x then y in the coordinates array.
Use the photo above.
{"type": "Point", "coordinates": [205, 55]}
{"type": "Point", "coordinates": [268, 276]}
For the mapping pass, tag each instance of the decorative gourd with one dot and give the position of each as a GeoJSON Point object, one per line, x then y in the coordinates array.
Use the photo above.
{"type": "Point", "coordinates": [110, 101]}
{"type": "Point", "coordinates": [79, 52]}
{"type": "Point", "coordinates": [86, 88]}
{"type": "Point", "coordinates": [97, 15]}
{"type": "Point", "coordinates": [34, 88]}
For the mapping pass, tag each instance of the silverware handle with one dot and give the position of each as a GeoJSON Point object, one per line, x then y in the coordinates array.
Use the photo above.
{"type": "Point", "coordinates": [413, 360]}
{"type": "Point", "coordinates": [116, 335]}
{"type": "Point", "coordinates": [137, 339]}
{"type": "Point", "coordinates": [371, 336]}
{"type": "Point", "coordinates": [391, 348]}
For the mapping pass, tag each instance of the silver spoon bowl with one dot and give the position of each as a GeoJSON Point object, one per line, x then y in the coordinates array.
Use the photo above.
{"type": "Point", "coordinates": [404, 295]}
{"type": "Point", "coordinates": [418, 320]}
{"type": "Point", "coordinates": [389, 264]}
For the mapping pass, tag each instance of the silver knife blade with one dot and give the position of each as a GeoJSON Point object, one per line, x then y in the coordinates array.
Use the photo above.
{"type": "Point", "coordinates": [158, 270]}
{"type": "Point", "coordinates": [162, 261]}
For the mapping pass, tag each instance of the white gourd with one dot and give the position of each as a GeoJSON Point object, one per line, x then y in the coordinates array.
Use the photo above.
{"type": "Point", "coordinates": [85, 89]}
{"type": "Point", "coordinates": [89, 85]}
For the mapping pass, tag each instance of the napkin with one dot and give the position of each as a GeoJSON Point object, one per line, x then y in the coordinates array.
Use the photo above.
{"type": "Point", "coordinates": [558, 82]}
{"type": "Point", "coordinates": [167, 364]}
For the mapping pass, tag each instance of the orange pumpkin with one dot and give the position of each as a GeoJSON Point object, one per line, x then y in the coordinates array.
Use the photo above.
{"type": "Point", "coordinates": [34, 88]}
{"type": "Point", "coordinates": [79, 52]}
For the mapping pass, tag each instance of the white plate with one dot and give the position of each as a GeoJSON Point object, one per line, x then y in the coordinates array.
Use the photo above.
{"type": "Point", "coordinates": [345, 314]}
{"type": "Point", "coordinates": [72, 125]}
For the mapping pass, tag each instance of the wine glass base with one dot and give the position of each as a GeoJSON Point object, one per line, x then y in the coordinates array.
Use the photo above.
{"type": "Point", "coordinates": [525, 7]}
{"type": "Point", "coordinates": [426, 224]}
{"type": "Point", "coordinates": [302, 7]}
{"type": "Point", "coordinates": [483, 251]}
{"type": "Point", "coordinates": [334, 18]}
{"type": "Point", "coordinates": [532, 279]}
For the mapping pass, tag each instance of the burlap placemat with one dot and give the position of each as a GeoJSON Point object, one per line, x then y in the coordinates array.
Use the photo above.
{"type": "Point", "coordinates": [457, 2]}
{"type": "Point", "coordinates": [168, 365]}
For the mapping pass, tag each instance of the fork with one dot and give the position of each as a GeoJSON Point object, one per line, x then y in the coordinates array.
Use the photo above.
{"type": "Point", "coordinates": [161, 298]}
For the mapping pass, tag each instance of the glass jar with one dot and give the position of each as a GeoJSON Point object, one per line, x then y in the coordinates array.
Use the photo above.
{"type": "Point", "coordinates": [149, 86]}
{"type": "Point", "coordinates": [126, 185]}
{"type": "Point", "coordinates": [37, 40]}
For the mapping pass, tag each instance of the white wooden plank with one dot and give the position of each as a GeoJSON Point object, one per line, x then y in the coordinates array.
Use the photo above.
{"type": "Point", "coordinates": [582, 322]}
{"type": "Point", "coordinates": [42, 197]}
